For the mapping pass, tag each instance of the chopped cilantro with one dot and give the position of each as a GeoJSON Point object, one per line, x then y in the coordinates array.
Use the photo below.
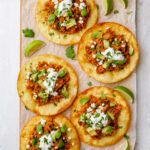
{"type": "Point", "coordinates": [120, 127]}
{"type": "Point", "coordinates": [70, 52]}
{"type": "Point", "coordinates": [35, 141]}
{"type": "Point", "coordinates": [126, 136]}
{"type": "Point", "coordinates": [51, 34]}
{"type": "Point", "coordinates": [92, 49]}
{"type": "Point", "coordinates": [97, 6]}
{"type": "Point", "coordinates": [55, 104]}
{"type": "Point", "coordinates": [28, 32]}
{"type": "Point", "coordinates": [74, 110]}
{"type": "Point", "coordinates": [89, 83]}
{"type": "Point", "coordinates": [116, 42]}
{"type": "Point", "coordinates": [26, 107]}
{"type": "Point", "coordinates": [116, 11]}
{"type": "Point", "coordinates": [129, 12]}
{"type": "Point", "coordinates": [65, 35]}
{"type": "Point", "coordinates": [114, 95]}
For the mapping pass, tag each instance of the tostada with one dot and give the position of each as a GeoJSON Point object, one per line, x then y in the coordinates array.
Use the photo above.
{"type": "Point", "coordinates": [108, 52]}
{"type": "Point", "coordinates": [64, 21]}
{"type": "Point", "coordinates": [49, 133]}
{"type": "Point", "coordinates": [101, 116]}
{"type": "Point", "coordinates": [47, 84]}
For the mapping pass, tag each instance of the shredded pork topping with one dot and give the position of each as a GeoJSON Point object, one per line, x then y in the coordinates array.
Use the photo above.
{"type": "Point", "coordinates": [108, 51]}
{"type": "Point", "coordinates": [46, 83]}
{"type": "Point", "coordinates": [99, 117]}
{"type": "Point", "coordinates": [67, 16]}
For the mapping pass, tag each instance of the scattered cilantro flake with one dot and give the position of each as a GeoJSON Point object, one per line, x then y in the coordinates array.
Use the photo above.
{"type": "Point", "coordinates": [97, 6]}
{"type": "Point", "coordinates": [74, 110]}
{"type": "Point", "coordinates": [129, 12]}
{"type": "Point", "coordinates": [55, 104]}
{"type": "Point", "coordinates": [114, 95]}
{"type": "Point", "coordinates": [126, 136]}
{"type": "Point", "coordinates": [70, 52]}
{"type": "Point", "coordinates": [65, 35]}
{"type": "Point", "coordinates": [89, 83]}
{"type": "Point", "coordinates": [120, 127]}
{"type": "Point", "coordinates": [51, 34]}
{"type": "Point", "coordinates": [28, 32]}
{"type": "Point", "coordinates": [26, 107]}
{"type": "Point", "coordinates": [116, 11]}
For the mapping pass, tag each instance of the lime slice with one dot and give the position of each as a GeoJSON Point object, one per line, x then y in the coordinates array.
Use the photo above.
{"type": "Point", "coordinates": [108, 6]}
{"type": "Point", "coordinates": [123, 146]}
{"type": "Point", "coordinates": [123, 3]}
{"type": "Point", "coordinates": [125, 92]}
{"type": "Point", "coordinates": [33, 47]}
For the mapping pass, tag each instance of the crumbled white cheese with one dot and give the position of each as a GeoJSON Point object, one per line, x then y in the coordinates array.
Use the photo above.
{"type": "Point", "coordinates": [73, 144]}
{"type": "Point", "coordinates": [45, 145]}
{"type": "Point", "coordinates": [28, 75]}
{"type": "Point", "coordinates": [127, 40]}
{"type": "Point", "coordinates": [82, 5]}
{"type": "Point", "coordinates": [81, 20]}
{"type": "Point", "coordinates": [63, 7]}
{"type": "Point", "coordinates": [101, 62]}
{"type": "Point", "coordinates": [89, 109]}
{"type": "Point", "coordinates": [107, 28]}
{"type": "Point", "coordinates": [91, 41]}
{"type": "Point", "coordinates": [94, 56]}
{"type": "Point", "coordinates": [110, 53]}
{"type": "Point", "coordinates": [97, 59]}
{"type": "Point", "coordinates": [122, 41]}
{"type": "Point", "coordinates": [95, 43]}
{"type": "Point", "coordinates": [123, 46]}
{"type": "Point", "coordinates": [76, 5]}
{"type": "Point", "coordinates": [28, 146]}
{"type": "Point", "coordinates": [114, 65]}
{"type": "Point", "coordinates": [93, 105]}
{"type": "Point", "coordinates": [69, 129]}
{"type": "Point", "coordinates": [103, 104]}
{"type": "Point", "coordinates": [69, 138]}
{"type": "Point", "coordinates": [92, 46]}
{"type": "Point", "coordinates": [35, 96]}
{"type": "Point", "coordinates": [43, 121]}
{"type": "Point", "coordinates": [60, 125]}
{"type": "Point", "coordinates": [50, 81]}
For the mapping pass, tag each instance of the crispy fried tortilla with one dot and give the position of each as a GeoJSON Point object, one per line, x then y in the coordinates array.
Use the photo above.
{"type": "Point", "coordinates": [56, 36]}
{"type": "Point", "coordinates": [28, 131]}
{"type": "Point", "coordinates": [53, 107]}
{"type": "Point", "coordinates": [122, 122]}
{"type": "Point", "coordinates": [115, 72]}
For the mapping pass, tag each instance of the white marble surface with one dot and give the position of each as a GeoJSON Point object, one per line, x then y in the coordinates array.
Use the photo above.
{"type": "Point", "coordinates": [9, 68]}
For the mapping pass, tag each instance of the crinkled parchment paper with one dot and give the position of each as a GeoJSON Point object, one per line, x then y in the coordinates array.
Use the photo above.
{"type": "Point", "coordinates": [28, 20]}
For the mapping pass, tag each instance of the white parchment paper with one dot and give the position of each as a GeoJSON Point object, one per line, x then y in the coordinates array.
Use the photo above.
{"type": "Point", "coordinates": [28, 20]}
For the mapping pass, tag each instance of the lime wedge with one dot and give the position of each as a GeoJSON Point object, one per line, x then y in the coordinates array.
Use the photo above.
{"type": "Point", "coordinates": [123, 146]}
{"type": "Point", "coordinates": [123, 3]}
{"type": "Point", "coordinates": [125, 93]}
{"type": "Point", "coordinates": [33, 47]}
{"type": "Point", "coordinates": [108, 6]}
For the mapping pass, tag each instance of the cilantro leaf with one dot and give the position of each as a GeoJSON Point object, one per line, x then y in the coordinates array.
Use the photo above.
{"type": "Point", "coordinates": [97, 6]}
{"type": "Point", "coordinates": [126, 136]}
{"type": "Point", "coordinates": [28, 32]}
{"type": "Point", "coordinates": [89, 83]}
{"type": "Point", "coordinates": [70, 52]}
{"type": "Point", "coordinates": [129, 12]}
{"type": "Point", "coordinates": [116, 11]}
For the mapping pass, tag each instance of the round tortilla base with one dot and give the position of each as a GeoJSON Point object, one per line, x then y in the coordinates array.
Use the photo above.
{"type": "Point", "coordinates": [27, 98]}
{"type": "Point", "coordinates": [123, 120]}
{"type": "Point", "coordinates": [29, 127]}
{"type": "Point", "coordinates": [113, 76]}
{"type": "Point", "coordinates": [58, 37]}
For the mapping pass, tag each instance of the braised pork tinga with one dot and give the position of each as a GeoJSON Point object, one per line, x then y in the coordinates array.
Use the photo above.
{"type": "Point", "coordinates": [45, 133]}
{"type": "Point", "coordinates": [47, 83]}
{"type": "Point", "coordinates": [99, 116]}
{"type": "Point", "coordinates": [64, 18]}
{"type": "Point", "coordinates": [110, 50]}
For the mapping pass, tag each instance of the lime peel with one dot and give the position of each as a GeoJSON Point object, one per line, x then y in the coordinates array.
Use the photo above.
{"type": "Point", "coordinates": [125, 92]}
{"type": "Point", "coordinates": [108, 6]}
{"type": "Point", "coordinates": [123, 146]}
{"type": "Point", "coordinates": [33, 46]}
{"type": "Point", "coordinates": [123, 3]}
